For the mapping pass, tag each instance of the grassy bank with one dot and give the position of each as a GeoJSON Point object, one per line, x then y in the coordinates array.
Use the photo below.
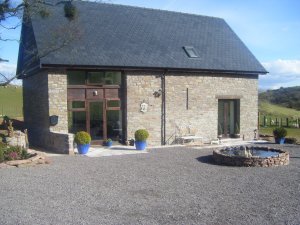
{"type": "Point", "coordinates": [11, 101]}
{"type": "Point", "coordinates": [268, 109]}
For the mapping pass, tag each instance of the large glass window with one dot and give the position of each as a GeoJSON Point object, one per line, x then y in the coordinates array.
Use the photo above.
{"type": "Point", "coordinates": [113, 103]}
{"type": "Point", "coordinates": [104, 78]}
{"type": "Point", "coordinates": [76, 77]}
{"type": "Point", "coordinates": [76, 121]}
{"type": "Point", "coordinates": [76, 105]}
{"type": "Point", "coordinates": [113, 78]}
{"type": "Point", "coordinates": [114, 124]}
{"type": "Point", "coordinates": [96, 77]}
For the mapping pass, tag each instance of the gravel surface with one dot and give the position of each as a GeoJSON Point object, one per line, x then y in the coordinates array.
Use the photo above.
{"type": "Point", "coordinates": [166, 186]}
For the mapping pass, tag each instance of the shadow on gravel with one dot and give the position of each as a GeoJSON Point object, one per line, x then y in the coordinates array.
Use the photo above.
{"type": "Point", "coordinates": [208, 159]}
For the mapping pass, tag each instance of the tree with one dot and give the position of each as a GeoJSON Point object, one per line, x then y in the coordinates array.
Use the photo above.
{"type": "Point", "coordinates": [23, 9]}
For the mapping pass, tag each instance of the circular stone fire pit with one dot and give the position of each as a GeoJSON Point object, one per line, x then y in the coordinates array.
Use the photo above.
{"type": "Point", "coordinates": [251, 156]}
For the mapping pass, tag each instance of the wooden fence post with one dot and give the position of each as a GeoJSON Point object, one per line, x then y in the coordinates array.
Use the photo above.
{"type": "Point", "coordinates": [287, 122]}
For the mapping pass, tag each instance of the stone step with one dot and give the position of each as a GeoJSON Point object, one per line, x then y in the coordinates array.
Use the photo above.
{"type": "Point", "coordinates": [231, 140]}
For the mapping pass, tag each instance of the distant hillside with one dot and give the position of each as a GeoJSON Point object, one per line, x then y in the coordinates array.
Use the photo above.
{"type": "Point", "coordinates": [269, 109]}
{"type": "Point", "coordinates": [286, 97]}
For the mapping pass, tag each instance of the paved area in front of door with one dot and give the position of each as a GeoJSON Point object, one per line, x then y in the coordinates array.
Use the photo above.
{"type": "Point", "coordinates": [100, 151]}
{"type": "Point", "coordinates": [114, 150]}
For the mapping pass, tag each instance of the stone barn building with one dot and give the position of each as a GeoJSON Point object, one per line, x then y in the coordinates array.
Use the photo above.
{"type": "Point", "coordinates": [113, 69]}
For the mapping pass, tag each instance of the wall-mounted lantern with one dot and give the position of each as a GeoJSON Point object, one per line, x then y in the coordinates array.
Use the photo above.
{"type": "Point", "coordinates": [144, 107]}
{"type": "Point", "coordinates": [53, 120]}
{"type": "Point", "coordinates": [158, 93]}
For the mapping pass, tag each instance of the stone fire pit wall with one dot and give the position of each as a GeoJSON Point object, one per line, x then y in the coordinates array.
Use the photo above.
{"type": "Point", "coordinates": [223, 159]}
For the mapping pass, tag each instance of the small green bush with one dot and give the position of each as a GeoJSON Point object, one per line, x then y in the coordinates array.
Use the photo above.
{"type": "Point", "coordinates": [141, 135]}
{"type": "Point", "coordinates": [108, 140]}
{"type": "Point", "coordinates": [82, 138]}
{"type": "Point", "coordinates": [279, 132]}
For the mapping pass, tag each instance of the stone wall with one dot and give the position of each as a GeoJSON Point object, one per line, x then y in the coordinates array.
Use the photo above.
{"type": "Point", "coordinates": [140, 88]}
{"type": "Point", "coordinates": [204, 91]}
{"type": "Point", "coordinates": [58, 105]}
{"type": "Point", "coordinates": [279, 160]}
{"type": "Point", "coordinates": [60, 142]}
{"type": "Point", "coordinates": [45, 94]}
{"type": "Point", "coordinates": [201, 117]}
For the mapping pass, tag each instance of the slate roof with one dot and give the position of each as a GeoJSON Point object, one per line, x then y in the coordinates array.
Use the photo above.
{"type": "Point", "coordinates": [109, 35]}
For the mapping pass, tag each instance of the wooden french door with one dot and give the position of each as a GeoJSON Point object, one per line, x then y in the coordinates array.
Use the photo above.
{"type": "Point", "coordinates": [94, 104]}
{"type": "Point", "coordinates": [228, 117]}
{"type": "Point", "coordinates": [97, 111]}
{"type": "Point", "coordinates": [95, 122]}
{"type": "Point", "coordinates": [104, 120]}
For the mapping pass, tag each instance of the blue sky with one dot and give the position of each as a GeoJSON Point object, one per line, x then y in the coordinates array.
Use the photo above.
{"type": "Point", "coordinates": [269, 28]}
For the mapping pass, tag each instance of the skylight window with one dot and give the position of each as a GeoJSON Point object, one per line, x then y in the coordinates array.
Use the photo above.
{"type": "Point", "coordinates": [190, 51]}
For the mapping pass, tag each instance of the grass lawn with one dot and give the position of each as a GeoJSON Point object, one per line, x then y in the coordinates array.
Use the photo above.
{"type": "Point", "coordinates": [291, 132]}
{"type": "Point", "coordinates": [11, 101]}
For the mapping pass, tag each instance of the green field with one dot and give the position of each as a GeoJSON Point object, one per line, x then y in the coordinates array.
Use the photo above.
{"type": "Point", "coordinates": [271, 112]}
{"type": "Point", "coordinates": [268, 109]}
{"type": "Point", "coordinates": [11, 101]}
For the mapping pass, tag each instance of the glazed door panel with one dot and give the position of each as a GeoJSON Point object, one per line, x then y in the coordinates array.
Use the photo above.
{"type": "Point", "coordinates": [228, 117]}
{"type": "Point", "coordinates": [95, 121]}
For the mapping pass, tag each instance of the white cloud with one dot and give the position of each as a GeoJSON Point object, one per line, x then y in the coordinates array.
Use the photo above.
{"type": "Point", "coordinates": [8, 69]}
{"type": "Point", "coordinates": [282, 73]}
{"type": "Point", "coordinates": [281, 66]}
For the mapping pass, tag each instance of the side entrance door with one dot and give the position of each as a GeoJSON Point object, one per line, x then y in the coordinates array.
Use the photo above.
{"type": "Point", "coordinates": [228, 117]}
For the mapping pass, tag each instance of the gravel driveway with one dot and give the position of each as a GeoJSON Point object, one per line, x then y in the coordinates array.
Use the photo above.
{"type": "Point", "coordinates": [166, 186]}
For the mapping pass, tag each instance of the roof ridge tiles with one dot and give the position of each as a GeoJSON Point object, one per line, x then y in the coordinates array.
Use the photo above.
{"type": "Point", "coordinates": [150, 9]}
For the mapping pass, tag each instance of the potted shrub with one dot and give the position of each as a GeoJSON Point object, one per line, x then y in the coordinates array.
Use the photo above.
{"type": "Point", "coordinates": [83, 140]}
{"type": "Point", "coordinates": [140, 139]}
{"type": "Point", "coordinates": [108, 142]}
{"type": "Point", "coordinates": [279, 135]}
